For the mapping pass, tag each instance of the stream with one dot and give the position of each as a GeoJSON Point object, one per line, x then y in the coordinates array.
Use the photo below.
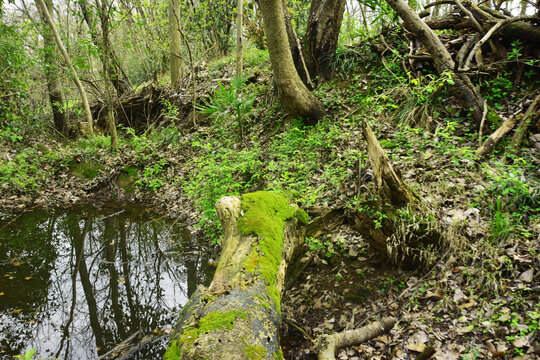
{"type": "Point", "coordinates": [76, 282]}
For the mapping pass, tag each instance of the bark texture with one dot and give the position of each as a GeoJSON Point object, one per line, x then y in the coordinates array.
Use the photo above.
{"type": "Point", "coordinates": [294, 95]}
{"type": "Point", "coordinates": [176, 42]}
{"type": "Point", "coordinates": [238, 315]}
{"type": "Point", "coordinates": [322, 34]}
{"type": "Point", "coordinates": [462, 89]}
{"type": "Point", "coordinates": [52, 73]}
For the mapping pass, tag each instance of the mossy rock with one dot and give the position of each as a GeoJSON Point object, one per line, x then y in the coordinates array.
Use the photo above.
{"type": "Point", "coordinates": [87, 170]}
{"type": "Point", "coordinates": [126, 180]}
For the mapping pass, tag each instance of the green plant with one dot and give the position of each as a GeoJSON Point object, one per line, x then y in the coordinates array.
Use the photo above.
{"type": "Point", "coordinates": [517, 50]}
{"type": "Point", "coordinates": [23, 172]}
{"type": "Point", "coordinates": [28, 355]}
{"type": "Point", "coordinates": [227, 100]}
{"type": "Point", "coordinates": [151, 176]}
{"type": "Point", "coordinates": [217, 172]}
{"type": "Point", "coordinates": [325, 247]}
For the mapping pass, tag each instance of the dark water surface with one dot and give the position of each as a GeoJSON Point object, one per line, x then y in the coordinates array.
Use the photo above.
{"type": "Point", "coordinates": [74, 283]}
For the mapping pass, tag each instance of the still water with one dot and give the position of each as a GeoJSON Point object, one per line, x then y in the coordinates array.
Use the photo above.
{"type": "Point", "coordinates": [74, 283]}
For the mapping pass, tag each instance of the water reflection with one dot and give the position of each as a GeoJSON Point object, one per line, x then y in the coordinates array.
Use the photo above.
{"type": "Point", "coordinates": [75, 283]}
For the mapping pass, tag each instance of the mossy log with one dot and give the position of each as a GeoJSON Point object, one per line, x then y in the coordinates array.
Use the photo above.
{"type": "Point", "coordinates": [238, 315]}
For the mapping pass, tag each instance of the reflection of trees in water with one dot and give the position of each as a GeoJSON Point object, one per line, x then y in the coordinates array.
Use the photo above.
{"type": "Point", "coordinates": [125, 281]}
{"type": "Point", "coordinates": [26, 258]}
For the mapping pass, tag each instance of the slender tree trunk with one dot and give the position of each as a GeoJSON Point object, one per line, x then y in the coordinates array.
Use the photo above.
{"type": "Point", "coordinates": [296, 49]}
{"type": "Point", "coordinates": [239, 45]}
{"type": "Point", "coordinates": [106, 58]}
{"type": "Point", "coordinates": [176, 42]}
{"type": "Point", "coordinates": [462, 89]}
{"type": "Point", "coordinates": [294, 95]}
{"type": "Point", "coordinates": [117, 76]}
{"type": "Point", "coordinates": [322, 34]}
{"type": "Point", "coordinates": [52, 73]}
{"type": "Point", "coordinates": [80, 87]}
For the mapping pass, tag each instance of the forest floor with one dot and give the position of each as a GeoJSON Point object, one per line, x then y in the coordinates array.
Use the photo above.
{"type": "Point", "coordinates": [475, 297]}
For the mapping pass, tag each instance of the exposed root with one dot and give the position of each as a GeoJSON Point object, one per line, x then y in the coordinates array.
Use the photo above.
{"type": "Point", "coordinates": [328, 345]}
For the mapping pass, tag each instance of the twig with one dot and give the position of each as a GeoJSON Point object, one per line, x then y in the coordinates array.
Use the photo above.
{"type": "Point", "coordinates": [470, 15]}
{"type": "Point", "coordinates": [299, 328]}
{"type": "Point", "coordinates": [437, 3]}
{"type": "Point", "coordinates": [482, 123]}
{"type": "Point", "coordinates": [111, 215]}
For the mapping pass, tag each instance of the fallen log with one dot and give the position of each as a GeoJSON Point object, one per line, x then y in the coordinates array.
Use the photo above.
{"type": "Point", "coordinates": [238, 315]}
{"type": "Point", "coordinates": [492, 141]}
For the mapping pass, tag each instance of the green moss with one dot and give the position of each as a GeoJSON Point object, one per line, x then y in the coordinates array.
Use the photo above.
{"type": "Point", "coordinates": [278, 355]}
{"type": "Point", "coordinates": [492, 117]}
{"type": "Point", "coordinates": [252, 262]}
{"type": "Point", "coordinates": [173, 352]}
{"type": "Point", "coordinates": [265, 215]}
{"type": "Point", "coordinates": [85, 171]}
{"type": "Point", "coordinates": [273, 293]}
{"type": "Point", "coordinates": [126, 180]}
{"type": "Point", "coordinates": [218, 320]}
{"type": "Point", "coordinates": [263, 302]}
{"type": "Point", "coordinates": [215, 320]}
{"type": "Point", "coordinates": [254, 352]}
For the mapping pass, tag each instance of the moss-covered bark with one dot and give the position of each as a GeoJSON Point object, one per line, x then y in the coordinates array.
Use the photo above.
{"type": "Point", "coordinates": [238, 315]}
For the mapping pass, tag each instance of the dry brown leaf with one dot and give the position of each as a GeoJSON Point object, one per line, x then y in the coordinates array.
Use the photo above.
{"type": "Point", "coordinates": [418, 347]}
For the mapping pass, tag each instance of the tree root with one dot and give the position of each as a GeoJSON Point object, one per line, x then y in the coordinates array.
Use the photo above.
{"type": "Point", "coordinates": [328, 345]}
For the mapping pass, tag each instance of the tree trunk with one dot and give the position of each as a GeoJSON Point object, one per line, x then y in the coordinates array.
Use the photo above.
{"type": "Point", "coordinates": [294, 95]}
{"type": "Point", "coordinates": [322, 34]}
{"type": "Point", "coordinates": [176, 42]}
{"type": "Point", "coordinates": [462, 89]}
{"type": "Point", "coordinates": [119, 82]}
{"type": "Point", "coordinates": [106, 58]}
{"type": "Point", "coordinates": [239, 48]}
{"type": "Point", "coordinates": [238, 316]}
{"type": "Point", "coordinates": [80, 87]}
{"type": "Point", "coordinates": [52, 72]}
{"type": "Point", "coordinates": [296, 49]}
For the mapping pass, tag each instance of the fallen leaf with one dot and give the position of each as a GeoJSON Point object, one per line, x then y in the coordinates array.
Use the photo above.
{"type": "Point", "coordinates": [416, 347]}
{"type": "Point", "coordinates": [523, 341]}
{"type": "Point", "coordinates": [459, 296]}
{"type": "Point", "coordinates": [527, 276]}
{"type": "Point", "coordinates": [467, 305]}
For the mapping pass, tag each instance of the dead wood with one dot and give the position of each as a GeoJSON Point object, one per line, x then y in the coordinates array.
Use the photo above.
{"type": "Point", "coordinates": [388, 181]}
{"type": "Point", "coordinates": [500, 24]}
{"type": "Point", "coordinates": [506, 127]}
{"type": "Point", "coordinates": [238, 316]}
{"type": "Point", "coordinates": [328, 345]}
{"type": "Point", "coordinates": [462, 88]}
{"type": "Point", "coordinates": [325, 222]}
{"type": "Point", "coordinates": [526, 120]}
